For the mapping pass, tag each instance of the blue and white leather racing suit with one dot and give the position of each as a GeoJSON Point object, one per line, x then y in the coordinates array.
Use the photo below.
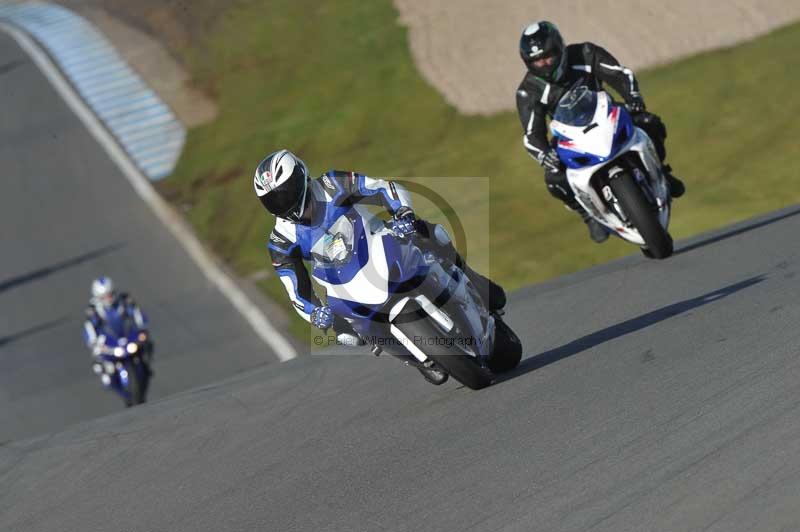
{"type": "Point", "coordinates": [334, 193]}
{"type": "Point", "coordinates": [97, 315]}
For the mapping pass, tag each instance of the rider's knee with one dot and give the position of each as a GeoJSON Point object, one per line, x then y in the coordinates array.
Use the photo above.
{"type": "Point", "coordinates": [555, 178]}
{"type": "Point", "coordinates": [436, 233]}
{"type": "Point", "coordinates": [655, 129]}
{"type": "Point", "coordinates": [558, 186]}
{"type": "Point", "coordinates": [441, 236]}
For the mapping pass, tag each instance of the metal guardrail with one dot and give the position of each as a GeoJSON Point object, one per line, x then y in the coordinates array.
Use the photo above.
{"type": "Point", "coordinates": [142, 124]}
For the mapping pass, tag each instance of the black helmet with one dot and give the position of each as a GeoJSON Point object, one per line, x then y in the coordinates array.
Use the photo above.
{"type": "Point", "coordinates": [281, 182]}
{"type": "Point", "coordinates": [539, 41]}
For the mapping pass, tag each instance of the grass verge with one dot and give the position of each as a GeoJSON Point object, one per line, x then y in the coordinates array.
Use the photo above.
{"type": "Point", "coordinates": [334, 82]}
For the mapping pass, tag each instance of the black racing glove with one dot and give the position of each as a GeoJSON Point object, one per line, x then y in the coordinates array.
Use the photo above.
{"type": "Point", "coordinates": [636, 104]}
{"type": "Point", "coordinates": [550, 161]}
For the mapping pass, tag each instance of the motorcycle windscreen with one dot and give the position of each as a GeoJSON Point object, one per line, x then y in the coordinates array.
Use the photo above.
{"type": "Point", "coordinates": [577, 107]}
{"type": "Point", "coordinates": [336, 245]}
{"type": "Point", "coordinates": [341, 251]}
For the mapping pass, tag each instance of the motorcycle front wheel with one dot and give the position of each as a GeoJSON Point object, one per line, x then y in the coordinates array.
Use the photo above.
{"type": "Point", "coordinates": [507, 350]}
{"type": "Point", "coordinates": [135, 385]}
{"type": "Point", "coordinates": [642, 215]}
{"type": "Point", "coordinates": [448, 356]}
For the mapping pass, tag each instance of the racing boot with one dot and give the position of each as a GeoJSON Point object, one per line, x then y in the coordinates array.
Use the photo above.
{"type": "Point", "coordinates": [433, 375]}
{"type": "Point", "coordinates": [676, 186]}
{"type": "Point", "coordinates": [597, 232]}
{"type": "Point", "coordinates": [345, 334]}
{"type": "Point", "coordinates": [350, 340]}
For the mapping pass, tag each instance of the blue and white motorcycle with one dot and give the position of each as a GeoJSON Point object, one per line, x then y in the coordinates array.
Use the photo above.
{"type": "Point", "coordinates": [123, 361]}
{"type": "Point", "coordinates": [409, 302]}
{"type": "Point", "coordinates": [613, 168]}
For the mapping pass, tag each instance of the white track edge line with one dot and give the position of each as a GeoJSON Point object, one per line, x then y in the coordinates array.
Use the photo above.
{"type": "Point", "coordinates": [176, 225]}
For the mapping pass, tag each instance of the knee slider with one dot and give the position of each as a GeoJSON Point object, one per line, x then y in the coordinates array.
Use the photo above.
{"type": "Point", "coordinates": [441, 236]}
{"type": "Point", "coordinates": [558, 191]}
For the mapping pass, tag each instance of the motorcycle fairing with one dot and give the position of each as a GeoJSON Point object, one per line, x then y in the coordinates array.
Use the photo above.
{"type": "Point", "coordinates": [595, 150]}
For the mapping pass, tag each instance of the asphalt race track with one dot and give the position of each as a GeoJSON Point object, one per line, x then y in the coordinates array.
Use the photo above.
{"type": "Point", "coordinates": [652, 396]}
{"type": "Point", "coordinates": [67, 215]}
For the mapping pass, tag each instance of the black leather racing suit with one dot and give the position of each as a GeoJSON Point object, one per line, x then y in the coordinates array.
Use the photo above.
{"type": "Point", "coordinates": [537, 100]}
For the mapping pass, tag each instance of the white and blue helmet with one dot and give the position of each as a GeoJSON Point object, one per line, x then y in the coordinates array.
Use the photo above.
{"type": "Point", "coordinates": [103, 290]}
{"type": "Point", "coordinates": [281, 183]}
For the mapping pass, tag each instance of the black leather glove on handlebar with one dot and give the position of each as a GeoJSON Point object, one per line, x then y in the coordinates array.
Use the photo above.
{"type": "Point", "coordinates": [636, 104]}
{"type": "Point", "coordinates": [550, 161]}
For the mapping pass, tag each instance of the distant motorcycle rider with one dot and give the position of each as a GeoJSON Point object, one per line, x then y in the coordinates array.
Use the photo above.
{"type": "Point", "coordinates": [552, 69]}
{"type": "Point", "coordinates": [302, 205]}
{"type": "Point", "coordinates": [104, 303]}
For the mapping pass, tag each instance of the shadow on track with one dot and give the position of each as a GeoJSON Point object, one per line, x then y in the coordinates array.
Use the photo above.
{"type": "Point", "coordinates": [8, 67]}
{"type": "Point", "coordinates": [11, 338]}
{"type": "Point", "coordinates": [626, 327]}
{"type": "Point", "coordinates": [35, 275]}
{"type": "Point", "coordinates": [738, 231]}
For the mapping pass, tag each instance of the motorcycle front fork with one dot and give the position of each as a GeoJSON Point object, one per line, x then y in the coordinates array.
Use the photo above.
{"type": "Point", "coordinates": [647, 190]}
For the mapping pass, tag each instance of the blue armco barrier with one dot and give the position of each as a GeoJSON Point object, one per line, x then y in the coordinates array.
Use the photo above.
{"type": "Point", "coordinates": [143, 125]}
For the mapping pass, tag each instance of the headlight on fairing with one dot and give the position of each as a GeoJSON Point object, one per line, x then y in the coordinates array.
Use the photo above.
{"type": "Point", "coordinates": [132, 348]}
{"type": "Point", "coordinates": [119, 352]}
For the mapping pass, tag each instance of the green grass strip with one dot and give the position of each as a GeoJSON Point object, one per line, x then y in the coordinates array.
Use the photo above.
{"type": "Point", "coordinates": [334, 81]}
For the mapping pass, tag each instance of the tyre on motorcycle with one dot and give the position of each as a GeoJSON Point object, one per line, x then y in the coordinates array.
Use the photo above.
{"type": "Point", "coordinates": [136, 388]}
{"type": "Point", "coordinates": [642, 215]}
{"type": "Point", "coordinates": [507, 350]}
{"type": "Point", "coordinates": [448, 356]}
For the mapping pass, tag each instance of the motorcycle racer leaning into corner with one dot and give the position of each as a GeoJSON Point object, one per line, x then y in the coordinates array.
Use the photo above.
{"type": "Point", "coordinates": [104, 302]}
{"type": "Point", "coordinates": [552, 69]}
{"type": "Point", "coordinates": [302, 205]}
